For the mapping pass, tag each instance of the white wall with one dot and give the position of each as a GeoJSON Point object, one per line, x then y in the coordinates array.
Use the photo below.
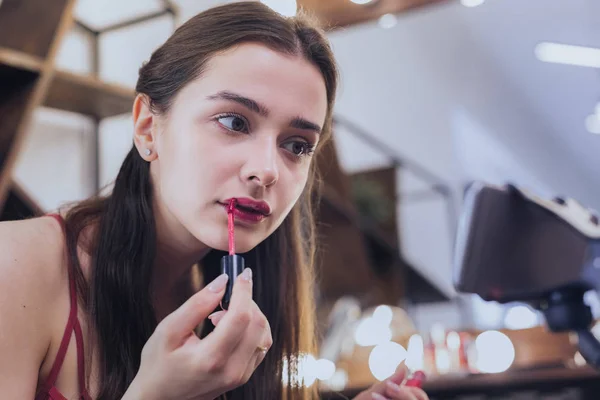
{"type": "Point", "coordinates": [55, 165]}
{"type": "Point", "coordinates": [123, 51]}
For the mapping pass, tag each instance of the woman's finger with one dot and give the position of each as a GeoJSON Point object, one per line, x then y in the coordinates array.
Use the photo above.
{"type": "Point", "coordinates": [180, 323]}
{"type": "Point", "coordinates": [418, 393]}
{"type": "Point", "coordinates": [397, 378]}
{"type": "Point", "coordinates": [377, 396]}
{"type": "Point", "coordinates": [224, 339]}
{"type": "Point", "coordinates": [256, 341]}
{"type": "Point", "coordinates": [267, 342]}
{"type": "Point", "coordinates": [397, 392]}
{"type": "Point", "coordinates": [261, 350]}
{"type": "Point", "coordinates": [255, 362]}
{"type": "Point", "coordinates": [216, 317]}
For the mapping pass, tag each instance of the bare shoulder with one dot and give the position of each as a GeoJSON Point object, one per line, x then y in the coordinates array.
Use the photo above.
{"type": "Point", "coordinates": [32, 255]}
{"type": "Point", "coordinates": [33, 273]}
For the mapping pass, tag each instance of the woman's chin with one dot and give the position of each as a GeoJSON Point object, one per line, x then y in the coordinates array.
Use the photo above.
{"type": "Point", "coordinates": [241, 246]}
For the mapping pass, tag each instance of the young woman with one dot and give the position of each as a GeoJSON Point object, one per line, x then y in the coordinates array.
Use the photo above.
{"type": "Point", "coordinates": [107, 300]}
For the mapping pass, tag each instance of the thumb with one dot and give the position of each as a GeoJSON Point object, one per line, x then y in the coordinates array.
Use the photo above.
{"type": "Point", "coordinates": [397, 377]}
{"type": "Point", "coordinates": [181, 322]}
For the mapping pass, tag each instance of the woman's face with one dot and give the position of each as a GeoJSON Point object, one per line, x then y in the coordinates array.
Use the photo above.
{"type": "Point", "coordinates": [245, 129]}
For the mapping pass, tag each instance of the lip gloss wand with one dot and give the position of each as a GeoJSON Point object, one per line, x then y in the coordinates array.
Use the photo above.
{"type": "Point", "coordinates": [231, 264]}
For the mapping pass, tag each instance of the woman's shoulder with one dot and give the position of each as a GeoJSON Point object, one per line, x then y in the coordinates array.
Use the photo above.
{"type": "Point", "coordinates": [33, 277]}
{"type": "Point", "coordinates": [33, 269]}
{"type": "Point", "coordinates": [32, 251]}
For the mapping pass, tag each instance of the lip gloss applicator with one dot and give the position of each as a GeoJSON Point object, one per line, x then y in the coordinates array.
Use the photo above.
{"type": "Point", "coordinates": [231, 264]}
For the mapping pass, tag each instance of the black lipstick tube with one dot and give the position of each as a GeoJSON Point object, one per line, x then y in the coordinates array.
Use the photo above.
{"type": "Point", "coordinates": [232, 265]}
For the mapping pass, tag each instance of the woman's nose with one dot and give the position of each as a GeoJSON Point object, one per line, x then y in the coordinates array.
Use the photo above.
{"type": "Point", "coordinates": [261, 166]}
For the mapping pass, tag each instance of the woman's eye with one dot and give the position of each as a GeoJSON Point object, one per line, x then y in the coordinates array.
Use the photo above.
{"type": "Point", "coordinates": [299, 148]}
{"type": "Point", "coordinates": [233, 123]}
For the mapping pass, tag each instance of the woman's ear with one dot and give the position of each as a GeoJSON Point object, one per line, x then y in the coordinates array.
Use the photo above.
{"type": "Point", "coordinates": [144, 128]}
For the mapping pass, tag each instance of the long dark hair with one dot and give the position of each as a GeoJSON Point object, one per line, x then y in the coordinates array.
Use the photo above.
{"type": "Point", "coordinates": [122, 244]}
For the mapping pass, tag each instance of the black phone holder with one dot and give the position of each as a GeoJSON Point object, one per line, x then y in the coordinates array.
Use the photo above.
{"type": "Point", "coordinates": [565, 311]}
{"type": "Point", "coordinates": [514, 246]}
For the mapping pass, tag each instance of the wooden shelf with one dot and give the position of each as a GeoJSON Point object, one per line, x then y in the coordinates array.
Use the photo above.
{"type": "Point", "coordinates": [342, 13]}
{"type": "Point", "coordinates": [512, 378]}
{"type": "Point", "coordinates": [88, 95]}
{"type": "Point", "coordinates": [19, 60]}
{"type": "Point", "coordinates": [31, 26]}
{"type": "Point", "coordinates": [418, 289]}
{"type": "Point", "coordinates": [18, 85]}
{"type": "Point", "coordinates": [30, 36]}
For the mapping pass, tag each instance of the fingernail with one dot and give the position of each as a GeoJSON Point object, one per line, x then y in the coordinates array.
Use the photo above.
{"type": "Point", "coordinates": [395, 388]}
{"type": "Point", "coordinates": [247, 275]}
{"type": "Point", "coordinates": [216, 317]}
{"type": "Point", "coordinates": [377, 396]}
{"type": "Point", "coordinates": [218, 284]}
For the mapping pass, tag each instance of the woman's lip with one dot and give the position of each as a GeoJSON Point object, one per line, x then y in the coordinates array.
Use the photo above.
{"type": "Point", "coordinates": [259, 206]}
{"type": "Point", "coordinates": [246, 216]}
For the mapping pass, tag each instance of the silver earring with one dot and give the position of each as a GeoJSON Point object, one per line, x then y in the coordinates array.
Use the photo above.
{"type": "Point", "coordinates": [148, 152]}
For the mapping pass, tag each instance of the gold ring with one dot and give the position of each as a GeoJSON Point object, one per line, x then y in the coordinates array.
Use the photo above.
{"type": "Point", "coordinates": [263, 349]}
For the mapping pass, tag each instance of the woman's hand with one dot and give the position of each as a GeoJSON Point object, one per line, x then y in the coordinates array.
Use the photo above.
{"type": "Point", "coordinates": [392, 389]}
{"type": "Point", "coordinates": [176, 364]}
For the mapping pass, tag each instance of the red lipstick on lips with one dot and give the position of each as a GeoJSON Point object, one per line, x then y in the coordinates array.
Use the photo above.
{"type": "Point", "coordinates": [249, 210]}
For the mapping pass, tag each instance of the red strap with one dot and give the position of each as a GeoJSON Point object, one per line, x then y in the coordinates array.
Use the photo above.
{"type": "Point", "coordinates": [80, 358]}
{"type": "Point", "coordinates": [72, 325]}
{"type": "Point", "coordinates": [62, 350]}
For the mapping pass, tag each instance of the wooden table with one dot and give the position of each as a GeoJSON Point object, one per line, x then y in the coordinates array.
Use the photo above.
{"type": "Point", "coordinates": [550, 379]}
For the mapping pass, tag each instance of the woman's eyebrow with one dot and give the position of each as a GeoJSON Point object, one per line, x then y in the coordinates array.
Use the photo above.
{"type": "Point", "coordinates": [247, 102]}
{"type": "Point", "coordinates": [261, 109]}
{"type": "Point", "coordinates": [301, 123]}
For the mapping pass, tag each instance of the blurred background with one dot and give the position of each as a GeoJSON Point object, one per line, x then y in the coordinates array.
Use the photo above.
{"type": "Point", "coordinates": [434, 94]}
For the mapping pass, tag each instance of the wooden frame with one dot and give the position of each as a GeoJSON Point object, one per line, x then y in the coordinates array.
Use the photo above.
{"type": "Point", "coordinates": [334, 14]}
{"type": "Point", "coordinates": [29, 79]}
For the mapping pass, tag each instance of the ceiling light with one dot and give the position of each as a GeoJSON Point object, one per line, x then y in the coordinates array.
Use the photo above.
{"type": "Point", "coordinates": [388, 21]}
{"type": "Point", "coordinates": [568, 54]}
{"type": "Point", "coordinates": [361, 1]}
{"type": "Point", "coordinates": [287, 8]}
{"type": "Point", "coordinates": [472, 3]}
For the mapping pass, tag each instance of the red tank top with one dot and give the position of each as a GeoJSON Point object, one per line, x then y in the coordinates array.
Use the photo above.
{"type": "Point", "coordinates": [47, 391]}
